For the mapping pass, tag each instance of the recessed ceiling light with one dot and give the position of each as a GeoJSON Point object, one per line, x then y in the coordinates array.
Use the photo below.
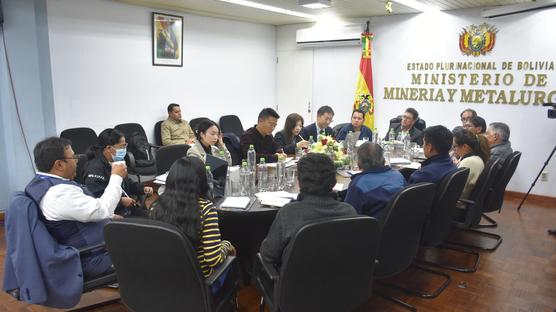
{"type": "Point", "coordinates": [414, 4]}
{"type": "Point", "coordinates": [270, 8]}
{"type": "Point", "coordinates": [315, 4]}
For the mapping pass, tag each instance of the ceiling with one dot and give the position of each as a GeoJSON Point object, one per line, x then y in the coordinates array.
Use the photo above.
{"type": "Point", "coordinates": [343, 9]}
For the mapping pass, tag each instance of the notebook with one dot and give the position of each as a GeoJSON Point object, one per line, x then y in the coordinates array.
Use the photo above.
{"type": "Point", "coordinates": [236, 202]}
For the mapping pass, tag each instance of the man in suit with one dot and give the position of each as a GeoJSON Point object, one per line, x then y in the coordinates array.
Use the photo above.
{"type": "Point", "coordinates": [406, 127]}
{"type": "Point", "coordinates": [498, 136]}
{"type": "Point", "coordinates": [322, 126]}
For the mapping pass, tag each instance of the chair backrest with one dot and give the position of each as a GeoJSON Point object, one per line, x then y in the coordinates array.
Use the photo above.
{"type": "Point", "coordinates": [231, 123]}
{"type": "Point", "coordinates": [337, 128]}
{"type": "Point", "coordinates": [130, 128]}
{"type": "Point", "coordinates": [158, 133]}
{"type": "Point", "coordinates": [193, 123]}
{"type": "Point", "coordinates": [81, 138]}
{"type": "Point", "coordinates": [157, 267]}
{"type": "Point", "coordinates": [495, 196]}
{"type": "Point", "coordinates": [329, 266]}
{"type": "Point", "coordinates": [478, 195]}
{"type": "Point", "coordinates": [403, 222]}
{"type": "Point", "coordinates": [420, 124]}
{"type": "Point", "coordinates": [443, 208]}
{"type": "Point", "coordinates": [167, 155]}
{"type": "Point", "coordinates": [232, 144]}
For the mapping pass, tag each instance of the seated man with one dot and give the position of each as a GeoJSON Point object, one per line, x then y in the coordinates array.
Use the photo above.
{"type": "Point", "coordinates": [370, 191]}
{"type": "Point", "coordinates": [316, 177]}
{"type": "Point", "coordinates": [321, 127]}
{"type": "Point", "coordinates": [71, 215]}
{"type": "Point", "coordinates": [498, 136]}
{"type": "Point", "coordinates": [406, 127]}
{"type": "Point", "coordinates": [437, 142]}
{"type": "Point", "coordinates": [360, 131]}
{"type": "Point", "coordinates": [174, 130]}
{"type": "Point", "coordinates": [466, 115]}
{"type": "Point", "coordinates": [260, 136]}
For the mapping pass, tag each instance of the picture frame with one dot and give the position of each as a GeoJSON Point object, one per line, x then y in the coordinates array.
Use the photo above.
{"type": "Point", "coordinates": [167, 40]}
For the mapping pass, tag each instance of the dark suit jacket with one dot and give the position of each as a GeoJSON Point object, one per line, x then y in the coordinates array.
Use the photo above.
{"type": "Point", "coordinates": [311, 130]}
{"type": "Point", "coordinates": [415, 134]}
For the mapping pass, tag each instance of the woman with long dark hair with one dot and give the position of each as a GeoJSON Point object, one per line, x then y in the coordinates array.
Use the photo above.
{"type": "Point", "coordinates": [111, 146]}
{"type": "Point", "coordinates": [288, 138]}
{"type": "Point", "coordinates": [209, 141]}
{"type": "Point", "coordinates": [186, 204]}
{"type": "Point", "coordinates": [473, 152]}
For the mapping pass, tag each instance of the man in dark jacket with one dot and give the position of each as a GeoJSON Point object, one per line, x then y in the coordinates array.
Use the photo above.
{"type": "Point", "coordinates": [437, 142]}
{"type": "Point", "coordinates": [321, 127]}
{"type": "Point", "coordinates": [498, 136]}
{"type": "Point", "coordinates": [317, 177]}
{"type": "Point", "coordinates": [407, 126]}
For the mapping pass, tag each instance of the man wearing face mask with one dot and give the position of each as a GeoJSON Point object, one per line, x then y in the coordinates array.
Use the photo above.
{"type": "Point", "coordinates": [111, 147]}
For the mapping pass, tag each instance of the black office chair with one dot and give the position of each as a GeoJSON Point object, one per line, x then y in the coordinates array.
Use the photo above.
{"type": "Point", "coordinates": [439, 222]}
{"type": "Point", "coordinates": [136, 166]}
{"type": "Point", "coordinates": [158, 270]}
{"type": "Point", "coordinates": [81, 140]}
{"type": "Point", "coordinates": [328, 267]}
{"type": "Point", "coordinates": [23, 221]}
{"type": "Point", "coordinates": [167, 155]}
{"type": "Point", "coordinates": [231, 123]}
{"type": "Point", "coordinates": [232, 144]}
{"type": "Point", "coordinates": [193, 123]}
{"type": "Point", "coordinates": [337, 128]}
{"type": "Point", "coordinates": [495, 196]}
{"type": "Point", "coordinates": [420, 124]}
{"type": "Point", "coordinates": [158, 132]}
{"type": "Point", "coordinates": [468, 218]}
{"type": "Point", "coordinates": [402, 224]}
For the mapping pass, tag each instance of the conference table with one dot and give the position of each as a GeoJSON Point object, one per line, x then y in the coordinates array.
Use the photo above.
{"type": "Point", "coordinates": [247, 228]}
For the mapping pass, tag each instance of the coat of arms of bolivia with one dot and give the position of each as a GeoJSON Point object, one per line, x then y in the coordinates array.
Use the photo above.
{"type": "Point", "coordinates": [477, 40]}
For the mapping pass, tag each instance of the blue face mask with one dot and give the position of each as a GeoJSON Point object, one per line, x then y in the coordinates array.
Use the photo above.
{"type": "Point", "coordinates": [120, 154]}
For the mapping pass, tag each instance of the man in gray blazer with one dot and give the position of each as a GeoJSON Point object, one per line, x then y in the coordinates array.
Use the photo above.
{"type": "Point", "coordinates": [498, 136]}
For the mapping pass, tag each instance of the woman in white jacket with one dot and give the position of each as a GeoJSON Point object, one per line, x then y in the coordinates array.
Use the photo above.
{"type": "Point", "coordinates": [472, 151]}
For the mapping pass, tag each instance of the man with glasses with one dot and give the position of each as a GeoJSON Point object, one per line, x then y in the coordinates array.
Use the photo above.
{"type": "Point", "coordinates": [260, 136]}
{"type": "Point", "coordinates": [71, 215]}
{"type": "Point", "coordinates": [406, 127]}
{"type": "Point", "coordinates": [321, 127]}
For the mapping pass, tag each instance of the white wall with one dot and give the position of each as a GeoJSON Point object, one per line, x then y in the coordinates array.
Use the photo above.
{"type": "Point", "coordinates": [103, 75]}
{"type": "Point", "coordinates": [401, 39]}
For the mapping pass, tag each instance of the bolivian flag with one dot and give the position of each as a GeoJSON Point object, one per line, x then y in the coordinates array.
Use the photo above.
{"type": "Point", "coordinates": [364, 99]}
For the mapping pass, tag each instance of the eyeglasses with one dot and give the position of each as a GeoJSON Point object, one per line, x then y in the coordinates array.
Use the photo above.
{"type": "Point", "coordinates": [407, 117]}
{"type": "Point", "coordinates": [76, 157]}
{"type": "Point", "coordinates": [117, 146]}
{"type": "Point", "coordinates": [464, 119]}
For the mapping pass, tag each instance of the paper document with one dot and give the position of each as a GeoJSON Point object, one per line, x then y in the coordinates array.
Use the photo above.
{"type": "Point", "coordinates": [275, 201]}
{"type": "Point", "coordinates": [338, 187]}
{"type": "Point", "coordinates": [235, 202]}
{"type": "Point", "coordinates": [397, 160]}
{"type": "Point", "coordinates": [280, 194]}
{"type": "Point", "coordinates": [161, 179]}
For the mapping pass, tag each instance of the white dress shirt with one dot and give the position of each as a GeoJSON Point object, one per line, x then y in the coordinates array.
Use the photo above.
{"type": "Point", "coordinates": [68, 202]}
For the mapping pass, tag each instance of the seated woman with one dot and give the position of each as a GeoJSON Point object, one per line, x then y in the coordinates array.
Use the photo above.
{"type": "Point", "coordinates": [288, 138]}
{"type": "Point", "coordinates": [186, 205]}
{"type": "Point", "coordinates": [476, 124]}
{"type": "Point", "coordinates": [209, 141]}
{"type": "Point", "coordinates": [111, 146]}
{"type": "Point", "coordinates": [473, 152]}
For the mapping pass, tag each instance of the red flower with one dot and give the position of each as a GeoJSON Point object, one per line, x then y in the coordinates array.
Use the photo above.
{"type": "Point", "coordinates": [324, 141]}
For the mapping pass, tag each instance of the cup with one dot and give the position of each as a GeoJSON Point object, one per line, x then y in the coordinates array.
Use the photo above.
{"type": "Point", "coordinates": [236, 188]}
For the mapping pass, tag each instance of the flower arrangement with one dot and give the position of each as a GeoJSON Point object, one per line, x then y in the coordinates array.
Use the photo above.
{"type": "Point", "coordinates": [327, 145]}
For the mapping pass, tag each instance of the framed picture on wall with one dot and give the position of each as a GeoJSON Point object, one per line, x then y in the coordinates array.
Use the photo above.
{"type": "Point", "coordinates": [167, 40]}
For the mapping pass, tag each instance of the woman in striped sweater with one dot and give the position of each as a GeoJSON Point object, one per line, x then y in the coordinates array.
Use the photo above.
{"type": "Point", "coordinates": [185, 204]}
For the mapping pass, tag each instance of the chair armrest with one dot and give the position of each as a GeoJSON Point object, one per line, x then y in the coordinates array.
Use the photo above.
{"type": "Point", "coordinates": [88, 249]}
{"type": "Point", "coordinates": [268, 268]}
{"type": "Point", "coordinates": [466, 202]}
{"type": "Point", "coordinates": [228, 262]}
{"type": "Point", "coordinates": [131, 159]}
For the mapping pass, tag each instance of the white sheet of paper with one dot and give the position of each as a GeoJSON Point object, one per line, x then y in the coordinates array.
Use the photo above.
{"type": "Point", "coordinates": [235, 202]}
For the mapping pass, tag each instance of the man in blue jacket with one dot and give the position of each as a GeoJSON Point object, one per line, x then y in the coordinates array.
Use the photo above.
{"type": "Point", "coordinates": [370, 191]}
{"type": "Point", "coordinates": [437, 142]}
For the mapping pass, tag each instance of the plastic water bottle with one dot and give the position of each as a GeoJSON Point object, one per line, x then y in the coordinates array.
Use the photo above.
{"type": "Point", "coordinates": [228, 186]}
{"type": "Point", "coordinates": [210, 181]}
{"type": "Point", "coordinates": [221, 155]}
{"type": "Point", "coordinates": [281, 173]}
{"type": "Point", "coordinates": [407, 146]}
{"type": "Point", "coordinates": [391, 135]}
{"type": "Point", "coordinates": [263, 175]}
{"type": "Point", "coordinates": [251, 158]}
{"type": "Point", "coordinates": [245, 177]}
{"type": "Point", "coordinates": [311, 142]}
